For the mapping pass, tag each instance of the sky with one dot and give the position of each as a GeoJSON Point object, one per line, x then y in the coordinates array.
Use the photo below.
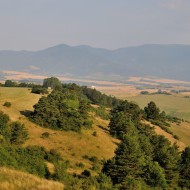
{"type": "Point", "coordinates": [111, 24]}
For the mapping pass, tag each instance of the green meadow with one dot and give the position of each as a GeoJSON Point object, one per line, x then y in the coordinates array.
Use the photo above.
{"type": "Point", "coordinates": [174, 105]}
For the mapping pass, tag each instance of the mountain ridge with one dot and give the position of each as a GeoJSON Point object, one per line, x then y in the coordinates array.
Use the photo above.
{"type": "Point", "coordinates": [165, 61]}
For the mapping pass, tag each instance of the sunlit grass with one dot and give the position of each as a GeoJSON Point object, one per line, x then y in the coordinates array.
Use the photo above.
{"type": "Point", "coordinates": [183, 131]}
{"type": "Point", "coordinates": [175, 105]}
{"type": "Point", "coordinates": [16, 180]}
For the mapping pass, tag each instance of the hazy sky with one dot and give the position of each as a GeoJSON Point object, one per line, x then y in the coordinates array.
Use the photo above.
{"type": "Point", "coordinates": [37, 24]}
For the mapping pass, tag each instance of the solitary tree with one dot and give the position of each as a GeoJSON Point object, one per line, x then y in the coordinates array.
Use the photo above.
{"type": "Point", "coordinates": [127, 162]}
{"type": "Point", "coordinates": [152, 111]}
{"type": "Point", "coordinates": [18, 133]}
{"type": "Point", "coordinates": [120, 124]}
{"type": "Point", "coordinates": [10, 83]}
{"type": "Point", "coordinates": [52, 82]}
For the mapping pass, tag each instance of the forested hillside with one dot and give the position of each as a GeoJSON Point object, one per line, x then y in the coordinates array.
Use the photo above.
{"type": "Point", "coordinates": [142, 160]}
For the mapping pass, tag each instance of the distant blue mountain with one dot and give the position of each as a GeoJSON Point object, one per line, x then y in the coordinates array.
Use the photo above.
{"type": "Point", "coordinates": [166, 61]}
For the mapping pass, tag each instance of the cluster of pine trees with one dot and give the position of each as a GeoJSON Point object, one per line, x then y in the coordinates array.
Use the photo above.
{"type": "Point", "coordinates": [96, 97]}
{"type": "Point", "coordinates": [68, 106]}
{"type": "Point", "coordinates": [63, 109]}
{"type": "Point", "coordinates": [144, 160]}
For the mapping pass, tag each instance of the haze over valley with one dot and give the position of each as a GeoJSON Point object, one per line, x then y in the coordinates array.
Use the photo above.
{"type": "Point", "coordinates": [85, 62]}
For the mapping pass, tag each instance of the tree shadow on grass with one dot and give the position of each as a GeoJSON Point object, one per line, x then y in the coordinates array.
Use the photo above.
{"type": "Point", "coordinates": [26, 113]}
{"type": "Point", "coordinates": [103, 128]}
{"type": "Point", "coordinates": [116, 143]}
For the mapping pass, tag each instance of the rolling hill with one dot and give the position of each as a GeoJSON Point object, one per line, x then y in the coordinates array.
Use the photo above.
{"type": "Point", "coordinates": [83, 150]}
{"type": "Point", "coordinates": [164, 61]}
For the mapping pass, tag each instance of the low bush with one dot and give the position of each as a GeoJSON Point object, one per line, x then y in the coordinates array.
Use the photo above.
{"type": "Point", "coordinates": [86, 173]}
{"type": "Point", "coordinates": [45, 135]}
{"type": "Point", "coordinates": [80, 165]}
{"type": "Point", "coordinates": [94, 134]}
{"type": "Point", "coordinates": [7, 104]}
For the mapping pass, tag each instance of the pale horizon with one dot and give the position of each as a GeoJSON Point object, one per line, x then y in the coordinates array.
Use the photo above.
{"type": "Point", "coordinates": [38, 24]}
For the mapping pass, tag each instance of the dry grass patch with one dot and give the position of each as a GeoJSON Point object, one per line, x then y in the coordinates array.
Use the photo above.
{"type": "Point", "coordinates": [73, 146]}
{"type": "Point", "coordinates": [16, 180]}
{"type": "Point", "coordinates": [20, 98]}
{"type": "Point", "coordinates": [183, 131]}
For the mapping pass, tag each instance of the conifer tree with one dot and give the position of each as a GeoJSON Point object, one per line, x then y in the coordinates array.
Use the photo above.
{"type": "Point", "coordinates": [184, 168]}
{"type": "Point", "coordinates": [152, 111]}
{"type": "Point", "coordinates": [128, 161]}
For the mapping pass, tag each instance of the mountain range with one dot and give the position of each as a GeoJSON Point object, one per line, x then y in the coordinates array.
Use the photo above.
{"type": "Point", "coordinates": [164, 61]}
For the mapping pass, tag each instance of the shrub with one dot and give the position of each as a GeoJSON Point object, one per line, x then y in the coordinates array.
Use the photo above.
{"type": "Point", "coordinates": [144, 92]}
{"type": "Point", "coordinates": [4, 119]}
{"type": "Point", "coordinates": [80, 165]}
{"type": "Point", "coordinates": [7, 104]}
{"type": "Point", "coordinates": [176, 137]}
{"type": "Point", "coordinates": [93, 159]}
{"type": "Point", "coordinates": [39, 90]}
{"type": "Point", "coordinates": [18, 134]}
{"type": "Point", "coordinates": [60, 171]}
{"type": "Point", "coordinates": [53, 156]}
{"type": "Point", "coordinates": [45, 135]}
{"type": "Point", "coordinates": [102, 112]}
{"type": "Point", "coordinates": [86, 156]}
{"type": "Point", "coordinates": [94, 134]}
{"type": "Point", "coordinates": [96, 167]}
{"type": "Point", "coordinates": [86, 173]}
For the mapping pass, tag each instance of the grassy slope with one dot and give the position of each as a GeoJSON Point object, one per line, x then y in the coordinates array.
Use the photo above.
{"type": "Point", "coordinates": [73, 146]}
{"type": "Point", "coordinates": [175, 105]}
{"type": "Point", "coordinates": [16, 180]}
{"type": "Point", "coordinates": [21, 100]}
{"type": "Point", "coordinates": [183, 131]}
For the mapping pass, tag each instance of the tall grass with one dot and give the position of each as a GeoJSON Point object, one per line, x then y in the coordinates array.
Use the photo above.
{"type": "Point", "coordinates": [16, 180]}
